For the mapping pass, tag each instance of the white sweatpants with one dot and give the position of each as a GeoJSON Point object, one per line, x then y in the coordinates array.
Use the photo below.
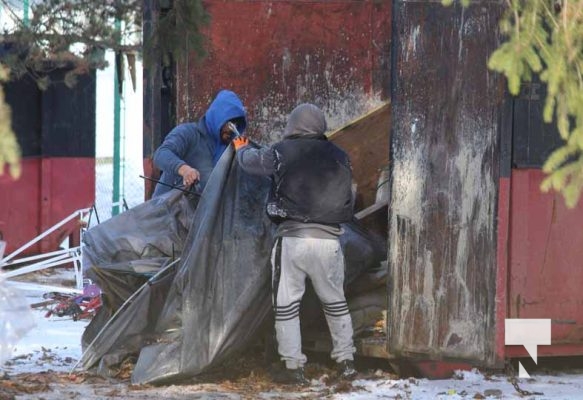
{"type": "Point", "coordinates": [293, 259]}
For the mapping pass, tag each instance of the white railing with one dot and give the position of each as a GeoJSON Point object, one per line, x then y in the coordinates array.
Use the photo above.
{"type": "Point", "coordinates": [47, 260]}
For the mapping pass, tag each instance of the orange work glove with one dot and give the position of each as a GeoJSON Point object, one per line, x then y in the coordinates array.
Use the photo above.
{"type": "Point", "coordinates": [240, 142]}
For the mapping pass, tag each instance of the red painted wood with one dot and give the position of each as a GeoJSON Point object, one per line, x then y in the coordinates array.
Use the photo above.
{"type": "Point", "coordinates": [546, 258]}
{"type": "Point", "coordinates": [45, 202]}
{"type": "Point", "coordinates": [554, 350]}
{"type": "Point", "coordinates": [150, 171]}
{"type": "Point", "coordinates": [19, 205]}
{"type": "Point", "coordinates": [49, 190]}
{"type": "Point", "coordinates": [439, 369]}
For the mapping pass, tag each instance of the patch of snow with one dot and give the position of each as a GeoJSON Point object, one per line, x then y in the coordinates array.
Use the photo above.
{"type": "Point", "coordinates": [54, 343]}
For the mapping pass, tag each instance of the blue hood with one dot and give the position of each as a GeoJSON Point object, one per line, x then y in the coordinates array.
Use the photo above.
{"type": "Point", "coordinates": [225, 107]}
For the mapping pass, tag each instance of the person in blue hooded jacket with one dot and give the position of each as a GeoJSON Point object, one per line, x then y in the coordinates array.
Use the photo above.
{"type": "Point", "coordinates": [191, 150]}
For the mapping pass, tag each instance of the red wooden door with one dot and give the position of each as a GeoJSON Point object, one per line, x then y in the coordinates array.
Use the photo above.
{"type": "Point", "coordinates": [546, 238]}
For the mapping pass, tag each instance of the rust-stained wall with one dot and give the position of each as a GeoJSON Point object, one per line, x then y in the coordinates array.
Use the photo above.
{"type": "Point", "coordinates": [276, 54]}
{"type": "Point", "coordinates": [444, 152]}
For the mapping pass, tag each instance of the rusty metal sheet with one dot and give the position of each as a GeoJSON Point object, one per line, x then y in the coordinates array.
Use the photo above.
{"type": "Point", "coordinates": [445, 169]}
{"type": "Point", "coordinates": [276, 54]}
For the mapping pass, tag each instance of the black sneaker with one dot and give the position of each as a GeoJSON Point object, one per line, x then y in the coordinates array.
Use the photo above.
{"type": "Point", "coordinates": [291, 377]}
{"type": "Point", "coordinates": [346, 369]}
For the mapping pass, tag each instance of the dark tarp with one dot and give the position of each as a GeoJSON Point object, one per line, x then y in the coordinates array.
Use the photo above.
{"type": "Point", "coordinates": [156, 228]}
{"type": "Point", "coordinates": [212, 303]}
{"type": "Point", "coordinates": [122, 254]}
{"type": "Point", "coordinates": [220, 294]}
{"type": "Point", "coordinates": [123, 335]}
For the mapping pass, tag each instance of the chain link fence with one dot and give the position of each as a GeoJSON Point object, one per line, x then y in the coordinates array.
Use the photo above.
{"type": "Point", "coordinates": [118, 178]}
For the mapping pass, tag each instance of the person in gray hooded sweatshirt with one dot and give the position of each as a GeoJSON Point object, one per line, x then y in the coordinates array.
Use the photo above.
{"type": "Point", "coordinates": [311, 196]}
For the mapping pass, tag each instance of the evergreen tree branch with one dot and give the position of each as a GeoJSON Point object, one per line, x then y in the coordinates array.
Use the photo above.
{"type": "Point", "coordinates": [72, 30]}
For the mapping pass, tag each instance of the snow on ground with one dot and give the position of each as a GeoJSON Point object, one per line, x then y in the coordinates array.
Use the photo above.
{"type": "Point", "coordinates": [470, 385]}
{"type": "Point", "coordinates": [54, 345]}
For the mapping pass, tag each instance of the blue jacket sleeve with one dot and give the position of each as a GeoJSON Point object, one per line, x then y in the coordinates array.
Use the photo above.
{"type": "Point", "coordinates": [170, 155]}
{"type": "Point", "coordinates": [257, 161]}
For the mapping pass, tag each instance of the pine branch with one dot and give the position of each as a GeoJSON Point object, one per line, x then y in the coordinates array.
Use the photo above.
{"type": "Point", "coordinates": [546, 38]}
{"type": "Point", "coordinates": [70, 31]}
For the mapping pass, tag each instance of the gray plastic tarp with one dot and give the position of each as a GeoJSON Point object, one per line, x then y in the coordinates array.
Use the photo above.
{"type": "Point", "coordinates": [212, 303]}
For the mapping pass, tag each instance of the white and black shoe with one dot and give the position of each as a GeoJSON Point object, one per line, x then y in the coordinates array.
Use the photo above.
{"type": "Point", "coordinates": [346, 370]}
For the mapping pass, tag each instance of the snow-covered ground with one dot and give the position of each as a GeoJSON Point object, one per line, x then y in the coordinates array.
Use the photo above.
{"type": "Point", "coordinates": [54, 345]}
{"type": "Point", "coordinates": [53, 342]}
{"type": "Point", "coordinates": [471, 385]}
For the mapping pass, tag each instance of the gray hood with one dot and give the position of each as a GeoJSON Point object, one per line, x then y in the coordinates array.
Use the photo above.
{"type": "Point", "coordinates": [305, 120]}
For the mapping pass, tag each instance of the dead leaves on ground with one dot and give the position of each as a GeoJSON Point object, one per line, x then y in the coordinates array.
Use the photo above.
{"type": "Point", "coordinates": [40, 382]}
{"type": "Point", "coordinates": [24, 384]}
{"type": "Point", "coordinates": [247, 376]}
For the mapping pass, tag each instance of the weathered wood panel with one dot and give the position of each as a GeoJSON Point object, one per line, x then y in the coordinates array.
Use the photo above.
{"type": "Point", "coordinates": [277, 54]}
{"type": "Point", "coordinates": [444, 155]}
{"type": "Point", "coordinates": [366, 140]}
